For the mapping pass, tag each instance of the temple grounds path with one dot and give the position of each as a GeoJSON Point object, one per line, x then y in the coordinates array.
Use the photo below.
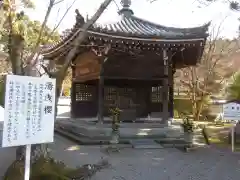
{"type": "Point", "coordinates": [139, 164]}
{"type": "Point", "coordinates": [163, 164]}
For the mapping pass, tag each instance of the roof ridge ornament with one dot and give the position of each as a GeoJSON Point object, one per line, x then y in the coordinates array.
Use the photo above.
{"type": "Point", "coordinates": [80, 21]}
{"type": "Point", "coordinates": [126, 11]}
{"type": "Point", "coordinates": [126, 3]}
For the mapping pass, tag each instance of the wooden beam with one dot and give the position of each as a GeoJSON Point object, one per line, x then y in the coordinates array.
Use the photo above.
{"type": "Point", "coordinates": [73, 95]}
{"type": "Point", "coordinates": [101, 93]}
{"type": "Point", "coordinates": [133, 78]}
{"type": "Point", "coordinates": [165, 88]}
{"type": "Point", "coordinates": [171, 89]}
{"type": "Point", "coordinates": [100, 99]}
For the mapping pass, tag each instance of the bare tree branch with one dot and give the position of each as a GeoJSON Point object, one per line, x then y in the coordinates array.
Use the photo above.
{"type": "Point", "coordinates": [54, 29]}
{"type": "Point", "coordinates": [58, 2]}
{"type": "Point", "coordinates": [30, 60]}
{"type": "Point", "coordinates": [209, 76]}
{"type": "Point", "coordinates": [46, 70]}
{"type": "Point", "coordinates": [60, 21]}
{"type": "Point", "coordinates": [80, 38]}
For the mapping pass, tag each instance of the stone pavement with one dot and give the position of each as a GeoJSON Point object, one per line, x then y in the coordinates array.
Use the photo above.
{"type": "Point", "coordinates": [160, 164]}
{"type": "Point", "coordinates": [171, 165]}
{"type": "Point", "coordinates": [132, 164]}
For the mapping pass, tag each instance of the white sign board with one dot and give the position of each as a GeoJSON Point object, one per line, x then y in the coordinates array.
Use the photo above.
{"type": "Point", "coordinates": [29, 110]}
{"type": "Point", "coordinates": [231, 111]}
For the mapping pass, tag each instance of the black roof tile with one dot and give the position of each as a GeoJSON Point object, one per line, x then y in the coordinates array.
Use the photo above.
{"type": "Point", "coordinates": [132, 26]}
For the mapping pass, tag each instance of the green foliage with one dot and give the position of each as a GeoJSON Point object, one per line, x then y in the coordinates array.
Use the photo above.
{"type": "Point", "coordinates": [206, 115]}
{"type": "Point", "coordinates": [183, 105]}
{"type": "Point", "coordinates": [22, 3]}
{"type": "Point", "coordinates": [176, 114]}
{"type": "Point", "coordinates": [42, 169]}
{"type": "Point", "coordinates": [23, 25]}
{"type": "Point", "coordinates": [28, 4]}
{"type": "Point", "coordinates": [50, 169]}
{"type": "Point", "coordinates": [234, 88]}
{"type": "Point", "coordinates": [115, 113]}
{"type": "Point", "coordinates": [209, 77]}
{"type": "Point", "coordinates": [30, 31]}
{"type": "Point", "coordinates": [187, 125]}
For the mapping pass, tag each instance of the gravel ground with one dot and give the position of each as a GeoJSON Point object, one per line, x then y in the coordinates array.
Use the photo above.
{"type": "Point", "coordinates": [163, 164]}
{"type": "Point", "coordinates": [139, 164]}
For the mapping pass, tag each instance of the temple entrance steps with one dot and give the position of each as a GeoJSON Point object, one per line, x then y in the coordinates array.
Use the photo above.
{"type": "Point", "coordinates": [145, 144]}
{"type": "Point", "coordinates": [137, 135]}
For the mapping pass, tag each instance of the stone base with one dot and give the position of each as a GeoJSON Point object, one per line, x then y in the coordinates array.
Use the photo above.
{"type": "Point", "coordinates": [145, 144]}
{"type": "Point", "coordinates": [127, 130]}
{"type": "Point", "coordinates": [192, 148]}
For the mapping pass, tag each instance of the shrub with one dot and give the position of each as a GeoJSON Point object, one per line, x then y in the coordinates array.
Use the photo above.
{"type": "Point", "coordinates": [183, 105]}
{"type": "Point", "coordinates": [42, 169]}
{"type": "Point", "coordinates": [175, 114]}
{"type": "Point", "coordinates": [49, 169]}
{"type": "Point", "coordinates": [187, 125]}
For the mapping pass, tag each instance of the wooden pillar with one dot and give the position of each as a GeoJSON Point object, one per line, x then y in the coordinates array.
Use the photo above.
{"type": "Point", "coordinates": [171, 90]}
{"type": "Point", "coordinates": [73, 93]}
{"type": "Point", "coordinates": [165, 96]}
{"type": "Point", "coordinates": [100, 96]}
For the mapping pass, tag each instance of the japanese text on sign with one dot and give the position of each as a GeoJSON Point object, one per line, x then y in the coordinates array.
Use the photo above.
{"type": "Point", "coordinates": [29, 110]}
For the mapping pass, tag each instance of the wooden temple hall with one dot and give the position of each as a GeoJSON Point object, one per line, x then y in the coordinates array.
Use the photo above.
{"type": "Point", "coordinates": [129, 64]}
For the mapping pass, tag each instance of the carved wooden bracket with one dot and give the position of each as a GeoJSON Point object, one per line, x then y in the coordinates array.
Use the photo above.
{"type": "Point", "coordinates": [101, 51]}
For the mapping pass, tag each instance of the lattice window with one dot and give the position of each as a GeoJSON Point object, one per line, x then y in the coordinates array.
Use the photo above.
{"type": "Point", "coordinates": [126, 97]}
{"type": "Point", "coordinates": [156, 94]}
{"type": "Point", "coordinates": [110, 93]}
{"type": "Point", "coordinates": [121, 97]}
{"type": "Point", "coordinates": [84, 92]}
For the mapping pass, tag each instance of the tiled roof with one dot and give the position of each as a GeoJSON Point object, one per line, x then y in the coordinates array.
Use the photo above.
{"type": "Point", "coordinates": [132, 27]}
{"type": "Point", "coordinates": [136, 27]}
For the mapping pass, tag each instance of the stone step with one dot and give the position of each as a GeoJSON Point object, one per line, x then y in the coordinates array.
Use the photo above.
{"type": "Point", "coordinates": [98, 136]}
{"type": "Point", "coordinates": [145, 144]}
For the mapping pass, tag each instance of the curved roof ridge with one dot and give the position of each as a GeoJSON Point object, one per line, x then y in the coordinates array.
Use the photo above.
{"type": "Point", "coordinates": [133, 27]}
{"type": "Point", "coordinates": [204, 26]}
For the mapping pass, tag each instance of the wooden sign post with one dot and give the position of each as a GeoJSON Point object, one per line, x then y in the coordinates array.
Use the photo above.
{"type": "Point", "coordinates": [27, 162]}
{"type": "Point", "coordinates": [231, 111]}
{"type": "Point", "coordinates": [29, 113]}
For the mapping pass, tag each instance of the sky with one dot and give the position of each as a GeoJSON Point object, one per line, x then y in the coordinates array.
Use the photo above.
{"type": "Point", "coordinates": [174, 13]}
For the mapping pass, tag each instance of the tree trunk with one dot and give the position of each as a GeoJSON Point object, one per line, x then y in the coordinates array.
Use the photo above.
{"type": "Point", "coordinates": [199, 108]}
{"type": "Point", "coordinates": [37, 149]}
{"type": "Point", "coordinates": [59, 82]}
{"type": "Point", "coordinates": [15, 49]}
{"type": "Point", "coordinates": [79, 39]}
{"type": "Point", "coordinates": [60, 75]}
{"type": "Point", "coordinates": [16, 63]}
{"type": "Point", "coordinates": [2, 17]}
{"type": "Point", "coordinates": [16, 43]}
